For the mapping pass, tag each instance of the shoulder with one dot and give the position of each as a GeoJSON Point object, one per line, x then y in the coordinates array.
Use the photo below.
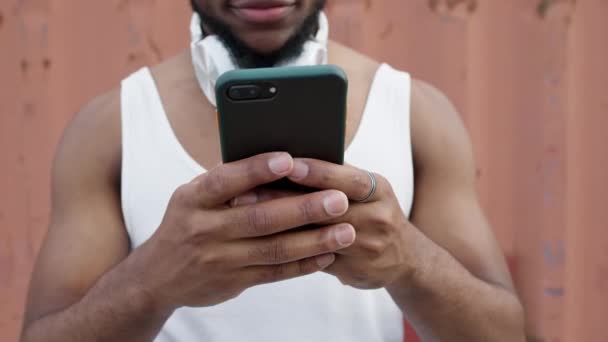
{"type": "Point", "coordinates": [99, 118]}
{"type": "Point", "coordinates": [440, 141]}
{"type": "Point", "coordinates": [91, 143]}
{"type": "Point", "coordinates": [94, 133]}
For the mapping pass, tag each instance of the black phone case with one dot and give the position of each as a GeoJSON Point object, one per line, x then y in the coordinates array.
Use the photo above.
{"type": "Point", "coordinates": [307, 116]}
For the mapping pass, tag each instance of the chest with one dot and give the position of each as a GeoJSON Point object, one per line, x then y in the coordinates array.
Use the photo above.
{"type": "Point", "coordinates": [161, 152]}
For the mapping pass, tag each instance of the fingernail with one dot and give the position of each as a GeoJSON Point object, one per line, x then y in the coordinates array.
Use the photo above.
{"type": "Point", "coordinates": [345, 235]}
{"type": "Point", "coordinates": [280, 164]}
{"type": "Point", "coordinates": [300, 170]}
{"type": "Point", "coordinates": [325, 260]}
{"type": "Point", "coordinates": [336, 203]}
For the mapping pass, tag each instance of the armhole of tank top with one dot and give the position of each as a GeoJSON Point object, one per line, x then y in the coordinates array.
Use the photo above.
{"type": "Point", "coordinates": [402, 81]}
{"type": "Point", "coordinates": [407, 122]}
{"type": "Point", "coordinates": [127, 97]}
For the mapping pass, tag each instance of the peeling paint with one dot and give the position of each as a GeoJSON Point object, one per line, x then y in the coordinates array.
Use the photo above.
{"type": "Point", "coordinates": [554, 291]}
{"type": "Point", "coordinates": [158, 55]}
{"type": "Point", "coordinates": [46, 63]}
{"type": "Point", "coordinates": [25, 65]}
{"type": "Point", "coordinates": [454, 8]}
{"type": "Point", "coordinates": [545, 8]}
{"type": "Point", "coordinates": [387, 31]}
{"type": "Point", "coordinates": [554, 254]}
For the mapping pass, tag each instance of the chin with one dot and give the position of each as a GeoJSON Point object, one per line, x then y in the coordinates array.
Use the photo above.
{"type": "Point", "coordinates": [266, 42]}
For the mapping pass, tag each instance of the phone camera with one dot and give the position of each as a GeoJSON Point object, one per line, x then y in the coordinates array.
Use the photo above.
{"type": "Point", "coordinates": [249, 92]}
{"type": "Point", "coordinates": [244, 92]}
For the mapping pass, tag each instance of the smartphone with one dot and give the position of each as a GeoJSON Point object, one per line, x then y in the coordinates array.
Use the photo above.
{"type": "Point", "coordinates": [300, 110]}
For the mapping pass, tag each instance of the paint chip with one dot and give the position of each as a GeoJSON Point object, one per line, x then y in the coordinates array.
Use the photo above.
{"type": "Point", "coordinates": [25, 65]}
{"type": "Point", "coordinates": [46, 63]}
{"type": "Point", "coordinates": [554, 291]}
{"type": "Point", "coordinates": [453, 8]}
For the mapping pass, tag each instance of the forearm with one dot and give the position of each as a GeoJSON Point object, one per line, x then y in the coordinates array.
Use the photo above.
{"type": "Point", "coordinates": [115, 309]}
{"type": "Point", "coordinates": [445, 302]}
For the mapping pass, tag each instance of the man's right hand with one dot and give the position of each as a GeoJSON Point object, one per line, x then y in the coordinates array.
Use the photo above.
{"type": "Point", "coordinates": [206, 252]}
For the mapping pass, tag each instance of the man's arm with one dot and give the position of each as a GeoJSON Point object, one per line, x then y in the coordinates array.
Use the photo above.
{"type": "Point", "coordinates": [463, 291]}
{"type": "Point", "coordinates": [444, 268]}
{"type": "Point", "coordinates": [88, 287]}
{"type": "Point", "coordinates": [86, 239]}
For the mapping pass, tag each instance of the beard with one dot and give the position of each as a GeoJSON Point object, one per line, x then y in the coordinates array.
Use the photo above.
{"type": "Point", "coordinates": [245, 57]}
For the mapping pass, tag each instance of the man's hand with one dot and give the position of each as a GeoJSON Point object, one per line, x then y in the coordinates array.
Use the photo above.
{"type": "Point", "coordinates": [384, 247]}
{"type": "Point", "coordinates": [383, 250]}
{"type": "Point", "coordinates": [206, 252]}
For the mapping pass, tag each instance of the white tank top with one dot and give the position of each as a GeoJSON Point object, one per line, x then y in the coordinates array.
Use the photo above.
{"type": "Point", "coordinates": [311, 308]}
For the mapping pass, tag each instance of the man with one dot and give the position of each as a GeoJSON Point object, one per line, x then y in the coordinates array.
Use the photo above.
{"type": "Point", "coordinates": [152, 238]}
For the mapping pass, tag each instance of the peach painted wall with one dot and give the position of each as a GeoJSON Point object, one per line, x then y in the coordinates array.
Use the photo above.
{"type": "Point", "coordinates": [528, 76]}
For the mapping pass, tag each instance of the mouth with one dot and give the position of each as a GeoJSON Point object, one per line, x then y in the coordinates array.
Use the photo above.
{"type": "Point", "coordinates": [262, 11]}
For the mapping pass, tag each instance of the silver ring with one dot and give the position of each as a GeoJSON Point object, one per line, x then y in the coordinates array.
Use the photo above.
{"type": "Point", "coordinates": [372, 191]}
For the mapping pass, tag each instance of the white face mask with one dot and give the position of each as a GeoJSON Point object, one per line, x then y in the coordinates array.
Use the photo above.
{"type": "Point", "coordinates": [211, 58]}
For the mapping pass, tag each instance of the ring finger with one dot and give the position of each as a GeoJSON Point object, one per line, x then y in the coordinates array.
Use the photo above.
{"type": "Point", "coordinates": [357, 184]}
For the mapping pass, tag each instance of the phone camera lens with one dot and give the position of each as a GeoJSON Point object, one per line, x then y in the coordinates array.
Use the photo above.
{"type": "Point", "coordinates": [244, 92]}
{"type": "Point", "coordinates": [235, 93]}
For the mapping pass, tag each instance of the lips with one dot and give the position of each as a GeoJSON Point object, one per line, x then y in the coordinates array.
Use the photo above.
{"type": "Point", "coordinates": [262, 11]}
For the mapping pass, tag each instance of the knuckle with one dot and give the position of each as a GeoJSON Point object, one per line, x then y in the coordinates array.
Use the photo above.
{"type": "Point", "coordinates": [381, 179]}
{"type": "Point", "coordinates": [384, 186]}
{"type": "Point", "coordinates": [192, 226]}
{"type": "Point", "coordinates": [213, 183]}
{"type": "Point", "coordinates": [177, 220]}
{"type": "Point", "coordinates": [382, 217]}
{"type": "Point", "coordinates": [360, 181]}
{"type": "Point", "coordinates": [373, 247]}
{"type": "Point", "coordinates": [274, 252]}
{"type": "Point", "coordinates": [202, 225]}
{"type": "Point", "coordinates": [226, 222]}
{"type": "Point", "coordinates": [258, 220]}
{"type": "Point", "coordinates": [307, 210]}
{"type": "Point", "coordinates": [181, 194]}
{"type": "Point", "coordinates": [255, 172]}
{"type": "Point", "coordinates": [323, 177]}
{"type": "Point", "coordinates": [212, 259]}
